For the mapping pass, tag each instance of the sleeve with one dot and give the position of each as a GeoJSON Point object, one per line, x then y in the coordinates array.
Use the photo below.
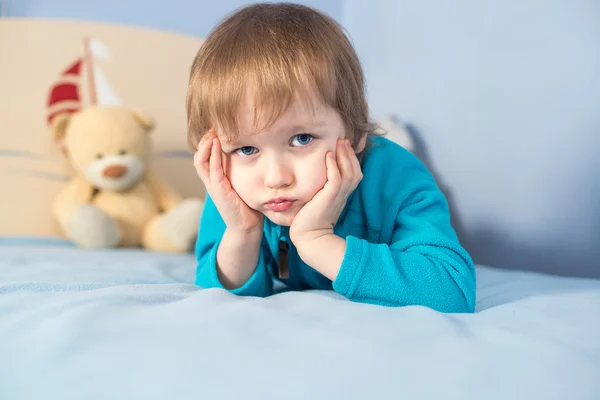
{"type": "Point", "coordinates": [210, 233]}
{"type": "Point", "coordinates": [424, 264]}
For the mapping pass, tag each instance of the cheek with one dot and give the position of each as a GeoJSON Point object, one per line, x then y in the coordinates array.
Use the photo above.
{"type": "Point", "coordinates": [313, 174]}
{"type": "Point", "coordinates": [242, 179]}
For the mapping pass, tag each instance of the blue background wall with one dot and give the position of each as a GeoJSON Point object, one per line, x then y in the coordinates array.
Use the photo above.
{"type": "Point", "coordinates": [193, 17]}
{"type": "Point", "coordinates": [506, 95]}
{"type": "Point", "coordinates": [505, 98]}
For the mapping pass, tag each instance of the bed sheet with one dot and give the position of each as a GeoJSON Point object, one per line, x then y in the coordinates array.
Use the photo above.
{"type": "Point", "coordinates": [129, 324]}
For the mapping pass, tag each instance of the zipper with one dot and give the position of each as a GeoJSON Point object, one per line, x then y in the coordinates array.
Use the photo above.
{"type": "Point", "coordinates": [282, 257]}
{"type": "Point", "coordinates": [283, 266]}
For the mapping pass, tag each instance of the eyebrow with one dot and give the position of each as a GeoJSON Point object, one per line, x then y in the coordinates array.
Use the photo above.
{"type": "Point", "coordinates": [305, 126]}
{"type": "Point", "coordinates": [301, 127]}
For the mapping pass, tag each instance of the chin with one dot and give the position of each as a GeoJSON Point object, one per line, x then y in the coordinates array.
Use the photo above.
{"type": "Point", "coordinates": [283, 219]}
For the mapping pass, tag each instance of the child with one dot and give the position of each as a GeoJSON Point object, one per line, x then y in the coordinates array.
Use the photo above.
{"type": "Point", "coordinates": [299, 188]}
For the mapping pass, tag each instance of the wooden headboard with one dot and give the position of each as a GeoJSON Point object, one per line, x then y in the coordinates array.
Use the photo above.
{"type": "Point", "coordinates": [96, 64]}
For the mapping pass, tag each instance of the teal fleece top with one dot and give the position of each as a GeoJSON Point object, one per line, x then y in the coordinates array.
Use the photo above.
{"type": "Point", "coordinates": [401, 249]}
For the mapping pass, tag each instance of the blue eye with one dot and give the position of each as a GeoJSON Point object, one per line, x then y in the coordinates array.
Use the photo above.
{"type": "Point", "coordinates": [246, 150]}
{"type": "Point", "coordinates": [302, 139]}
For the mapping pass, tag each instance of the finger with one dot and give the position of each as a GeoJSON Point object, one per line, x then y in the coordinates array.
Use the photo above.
{"type": "Point", "coordinates": [201, 161]}
{"type": "Point", "coordinates": [215, 167]}
{"type": "Point", "coordinates": [207, 137]}
{"type": "Point", "coordinates": [356, 168]}
{"type": "Point", "coordinates": [204, 148]}
{"type": "Point", "coordinates": [333, 174]}
{"type": "Point", "coordinates": [224, 163]}
{"type": "Point", "coordinates": [345, 164]}
{"type": "Point", "coordinates": [345, 169]}
{"type": "Point", "coordinates": [196, 161]}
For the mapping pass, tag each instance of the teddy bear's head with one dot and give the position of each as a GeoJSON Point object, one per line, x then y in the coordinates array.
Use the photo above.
{"type": "Point", "coordinates": [108, 145]}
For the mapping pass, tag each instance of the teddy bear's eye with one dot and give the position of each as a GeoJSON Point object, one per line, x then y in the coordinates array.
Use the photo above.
{"type": "Point", "coordinates": [99, 156]}
{"type": "Point", "coordinates": [123, 152]}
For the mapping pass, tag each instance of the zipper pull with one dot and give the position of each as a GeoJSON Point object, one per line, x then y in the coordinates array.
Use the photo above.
{"type": "Point", "coordinates": [284, 271]}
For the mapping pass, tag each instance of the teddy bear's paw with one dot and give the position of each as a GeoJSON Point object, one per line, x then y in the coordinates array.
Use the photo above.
{"type": "Point", "coordinates": [90, 227]}
{"type": "Point", "coordinates": [180, 224]}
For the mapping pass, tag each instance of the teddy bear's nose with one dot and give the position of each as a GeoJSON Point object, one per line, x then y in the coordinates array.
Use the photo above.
{"type": "Point", "coordinates": [114, 171]}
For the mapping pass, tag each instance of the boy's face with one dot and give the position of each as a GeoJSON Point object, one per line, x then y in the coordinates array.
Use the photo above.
{"type": "Point", "coordinates": [280, 169]}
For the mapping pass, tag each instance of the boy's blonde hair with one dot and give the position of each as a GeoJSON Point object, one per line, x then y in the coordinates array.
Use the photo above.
{"type": "Point", "coordinates": [274, 52]}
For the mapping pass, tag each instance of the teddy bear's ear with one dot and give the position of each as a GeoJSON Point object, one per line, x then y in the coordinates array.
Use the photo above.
{"type": "Point", "coordinates": [146, 121]}
{"type": "Point", "coordinates": [59, 126]}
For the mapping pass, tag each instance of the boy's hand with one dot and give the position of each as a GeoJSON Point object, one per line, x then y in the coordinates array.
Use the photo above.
{"type": "Point", "coordinates": [208, 161]}
{"type": "Point", "coordinates": [318, 217]}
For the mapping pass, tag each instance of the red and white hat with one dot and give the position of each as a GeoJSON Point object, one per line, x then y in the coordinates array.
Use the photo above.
{"type": "Point", "coordinates": [64, 95]}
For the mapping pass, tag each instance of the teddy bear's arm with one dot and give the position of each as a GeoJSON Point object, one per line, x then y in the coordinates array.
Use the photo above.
{"type": "Point", "coordinates": [166, 197]}
{"type": "Point", "coordinates": [81, 221]}
{"type": "Point", "coordinates": [75, 194]}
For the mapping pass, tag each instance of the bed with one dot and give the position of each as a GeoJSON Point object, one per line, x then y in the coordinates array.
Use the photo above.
{"type": "Point", "coordinates": [129, 324]}
{"type": "Point", "coordinates": [126, 324]}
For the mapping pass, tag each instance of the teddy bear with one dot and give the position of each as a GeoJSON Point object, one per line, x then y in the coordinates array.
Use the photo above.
{"type": "Point", "coordinates": [114, 199]}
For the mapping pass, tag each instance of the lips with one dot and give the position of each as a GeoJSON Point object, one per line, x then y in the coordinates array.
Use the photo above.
{"type": "Point", "coordinates": [280, 204]}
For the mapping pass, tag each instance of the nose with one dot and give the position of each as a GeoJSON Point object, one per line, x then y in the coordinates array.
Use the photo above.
{"type": "Point", "coordinates": [278, 174]}
{"type": "Point", "coordinates": [114, 171]}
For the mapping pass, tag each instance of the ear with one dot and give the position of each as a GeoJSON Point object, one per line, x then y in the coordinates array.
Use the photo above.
{"type": "Point", "coordinates": [59, 126]}
{"type": "Point", "coordinates": [145, 120]}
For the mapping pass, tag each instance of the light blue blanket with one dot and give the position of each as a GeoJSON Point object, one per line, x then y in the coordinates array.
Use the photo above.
{"type": "Point", "coordinates": [128, 324]}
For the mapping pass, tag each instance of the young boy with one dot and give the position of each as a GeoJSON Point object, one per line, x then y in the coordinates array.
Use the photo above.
{"type": "Point", "coordinates": [299, 188]}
